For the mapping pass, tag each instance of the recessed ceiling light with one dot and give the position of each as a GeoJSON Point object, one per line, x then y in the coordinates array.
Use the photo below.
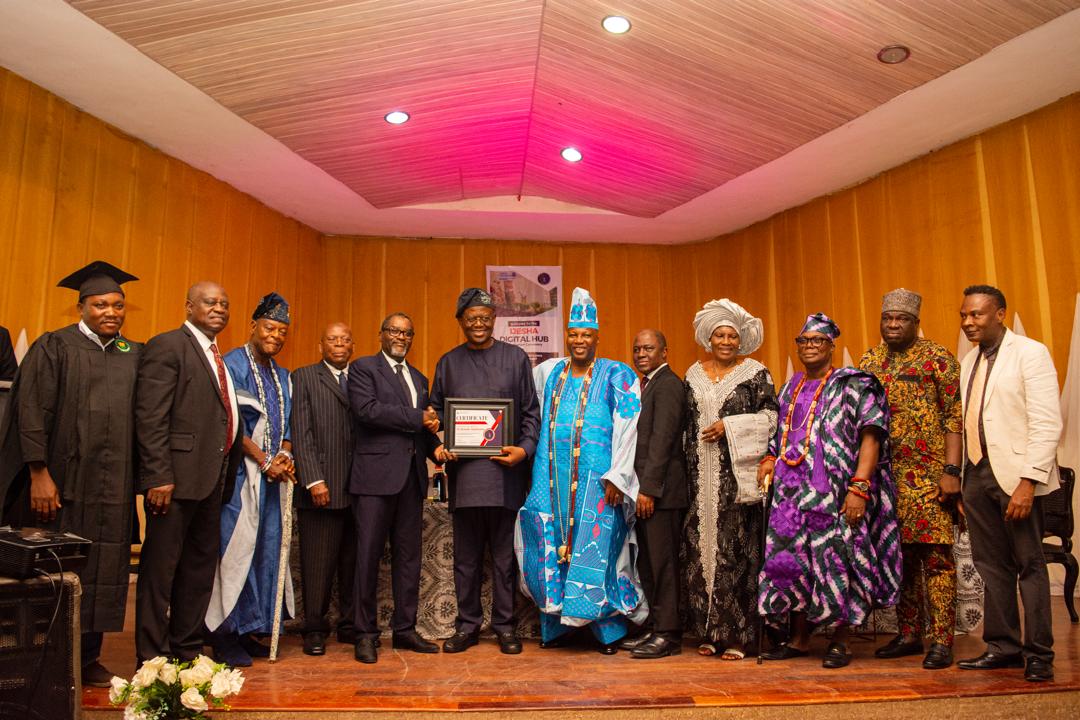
{"type": "Point", "coordinates": [396, 117]}
{"type": "Point", "coordinates": [570, 154]}
{"type": "Point", "coordinates": [616, 24]}
{"type": "Point", "coordinates": [893, 54]}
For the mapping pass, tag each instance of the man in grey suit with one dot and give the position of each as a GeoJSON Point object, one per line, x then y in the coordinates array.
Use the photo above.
{"type": "Point", "coordinates": [662, 500]}
{"type": "Point", "coordinates": [188, 430]}
{"type": "Point", "coordinates": [322, 436]}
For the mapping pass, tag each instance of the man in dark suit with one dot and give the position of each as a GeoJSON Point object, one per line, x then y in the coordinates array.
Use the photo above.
{"type": "Point", "coordinates": [388, 482]}
{"type": "Point", "coordinates": [322, 437]}
{"type": "Point", "coordinates": [660, 466]}
{"type": "Point", "coordinates": [188, 433]}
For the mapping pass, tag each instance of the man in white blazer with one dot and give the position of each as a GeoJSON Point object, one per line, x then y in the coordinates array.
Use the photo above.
{"type": "Point", "coordinates": [1012, 424]}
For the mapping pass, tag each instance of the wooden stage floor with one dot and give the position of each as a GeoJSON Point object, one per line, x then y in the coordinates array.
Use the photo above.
{"type": "Point", "coordinates": [579, 682]}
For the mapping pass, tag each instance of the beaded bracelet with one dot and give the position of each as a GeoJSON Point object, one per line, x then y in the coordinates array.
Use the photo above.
{"type": "Point", "coordinates": [266, 463]}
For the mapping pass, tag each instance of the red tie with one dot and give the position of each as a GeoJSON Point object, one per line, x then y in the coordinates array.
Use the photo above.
{"type": "Point", "coordinates": [223, 388]}
{"type": "Point", "coordinates": [644, 382]}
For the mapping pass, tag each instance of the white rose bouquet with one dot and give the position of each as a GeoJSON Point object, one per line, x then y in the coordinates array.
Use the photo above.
{"type": "Point", "coordinates": [162, 690]}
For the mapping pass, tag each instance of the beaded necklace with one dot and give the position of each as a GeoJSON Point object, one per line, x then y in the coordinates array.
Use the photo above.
{"type": "Point", "coordinates": [566, 522]}
{"type": "Point", "coordinates": [268, 438]}
{"type": "Point", "coordinates": [808, 420]}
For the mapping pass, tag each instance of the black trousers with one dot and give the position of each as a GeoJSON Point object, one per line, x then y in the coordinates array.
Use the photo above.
{"type": "Point", "coordinates": [1005, 552]}
{"type": "Point", "coordinates": [176, 576]}
{"type": "Point", "coordinates": [327, 550]}
{"type": "Point", "coordinates": [658, 563]}
{"type": "Point", "coordinates": [477, 529]}
{"type": "Point", "coordinates": [400, 518]}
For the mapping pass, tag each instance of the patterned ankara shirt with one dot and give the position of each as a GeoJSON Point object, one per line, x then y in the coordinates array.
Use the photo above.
{"type": "Point", "coordinates": [922, 384]}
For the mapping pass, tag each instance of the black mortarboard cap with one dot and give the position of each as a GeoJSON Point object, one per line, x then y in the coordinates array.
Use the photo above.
{"type": "Point", "coordinates": [97, 278]}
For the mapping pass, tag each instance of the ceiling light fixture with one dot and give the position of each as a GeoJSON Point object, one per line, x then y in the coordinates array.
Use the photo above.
{"type": "Point", "coordinates": [397, 117]}
{"type": "Point", "coordinates": [893, 54]}
{"type": "Point", "coordinates": [616, 24]}
{"type": "Point", "coordinates": [570, 154]}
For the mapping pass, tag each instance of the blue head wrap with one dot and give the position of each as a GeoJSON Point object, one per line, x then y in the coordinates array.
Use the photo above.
{"type": "Point", "coordinates": [272, 307]}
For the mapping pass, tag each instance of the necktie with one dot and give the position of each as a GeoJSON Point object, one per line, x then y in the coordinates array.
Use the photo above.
{"type": "Point", "coordinates": [401, 378]}
{"type": "Point", "coordinates": [223, 390]}
{"type": "Point", "coordinates": [974, 409]}
{"type": "Point", "coordinates": [343, 381]}
{"type": "Point", "coordinates": [644, 382]}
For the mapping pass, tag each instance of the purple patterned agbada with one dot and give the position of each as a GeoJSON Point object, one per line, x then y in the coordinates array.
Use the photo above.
{"type": "Point", "coordinates": [815, 563]}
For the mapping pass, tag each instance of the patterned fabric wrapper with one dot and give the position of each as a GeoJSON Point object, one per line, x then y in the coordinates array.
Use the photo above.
{"type": "Point", "coordinates": [822, 323]}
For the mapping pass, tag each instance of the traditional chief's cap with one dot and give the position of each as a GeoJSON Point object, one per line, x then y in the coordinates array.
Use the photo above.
{"type": "Point", "coordinates": [822, 323]}
{"type": "Point", "coordinates": [272, 307]}
{"type": "Point", "coordinates": [473, 297]}
{"type": "Point", "coordinates": [724, 312]}
{"type": "Point", "coordinates": [97, 278]}
{"type": "Point", "coordinates": [901, 300]}
{"type": "Point", "coordinates": [583, 310]}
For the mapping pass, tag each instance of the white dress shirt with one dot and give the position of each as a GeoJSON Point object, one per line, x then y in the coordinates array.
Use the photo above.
{"type": "Point", "coordinates": [404, 373]}
{"type": "Point", "coordinates": [94, 336]}
{"type": "Point", "coordinates": [205, 343]}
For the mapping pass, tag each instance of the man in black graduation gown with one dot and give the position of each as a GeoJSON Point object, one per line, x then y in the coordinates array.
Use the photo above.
{"type": "Point", "coordinates": [486, 493]}
{"type": "Point", "coordinates": [67, 460]}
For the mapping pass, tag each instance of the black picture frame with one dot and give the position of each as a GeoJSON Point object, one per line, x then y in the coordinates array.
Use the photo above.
{"type": "Point", "coordinates": [504, 430]}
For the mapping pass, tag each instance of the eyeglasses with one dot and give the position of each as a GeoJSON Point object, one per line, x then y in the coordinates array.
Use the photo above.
{"type": "Point", "coordinates": [479, 320]}
{"type": "Point", "coordinates": [812, 342]}
{"type": "Point", "coordinates": [398, 332]}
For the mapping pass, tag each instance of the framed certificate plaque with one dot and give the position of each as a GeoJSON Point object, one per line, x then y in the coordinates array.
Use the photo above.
{"type": "Point", "coordinates": [478, 427]}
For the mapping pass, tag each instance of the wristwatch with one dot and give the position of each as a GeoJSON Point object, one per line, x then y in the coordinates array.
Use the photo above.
{"type": "Point", "coordinates": [951, 470]}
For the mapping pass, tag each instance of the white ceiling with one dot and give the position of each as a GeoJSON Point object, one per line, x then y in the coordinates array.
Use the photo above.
{"type": "Point", "coordinates": [57, 47]}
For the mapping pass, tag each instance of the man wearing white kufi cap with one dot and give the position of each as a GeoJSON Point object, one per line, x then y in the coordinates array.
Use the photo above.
{"type": "Point", "coordinates": [574, 536]}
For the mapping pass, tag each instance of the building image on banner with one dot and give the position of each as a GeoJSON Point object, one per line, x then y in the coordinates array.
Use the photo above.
{"type": "Point", "coordinates": [528, 308]}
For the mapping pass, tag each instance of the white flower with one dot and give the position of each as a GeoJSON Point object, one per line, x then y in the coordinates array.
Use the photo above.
{"type": "Point", "coordinates": [193, 699]}
{"type": "Point", "coordinates": [130, 714]}
{"type": "Point", "coordinates": [203, 661]}
{"type": "Point", "coordinates": [226, 683]}
{"type": "Point", "coordinates": [196, 675]}
{"type": "Point", "coordinates": [116, 691]}
{"type": "Point", "coordinates": [167, 674]}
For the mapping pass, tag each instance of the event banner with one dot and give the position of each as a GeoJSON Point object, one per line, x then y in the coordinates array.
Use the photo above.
{"type": "Point", "coordinates": [528, 308]}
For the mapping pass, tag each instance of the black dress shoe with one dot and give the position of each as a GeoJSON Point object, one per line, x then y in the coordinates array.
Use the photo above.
{"type": "Point", "coordinates": [96, 675]}
{"type": "Point", "coordinates": [992, 661]}
{"type": "Point", "coordinates": [938, 657]}
{"type": "Point", "coordinates": [899, 646]}
{"type": "Point", "coordinates": [314, 643]}
{"type": "Point", "coordinates": [411, 640]}
{"type": "Point", "coordinates": [460, 642]}
{"type": "Point", "coordinates": [836, 656]}
{"type": "Point", "coordinates": [629, 643]}
{"type": "Point", "coordinates": [364, 650]}
{"type": "Point", "coordinates": [657, 646]}
{"type": "Point", "coordinates": [253, 647]}
{"type": "Point", "coordinates": [561, 641]}
{"type": "Point", "coordinates": [609, 649]}
{"type": "Point", "coordinates": [784, 652]}
{"type": "Point", "coordinates": [1038, 670]}
{"type": "Point", "coordinates": [509, 644]}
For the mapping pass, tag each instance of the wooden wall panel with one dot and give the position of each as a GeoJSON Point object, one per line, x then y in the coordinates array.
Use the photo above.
{"type": "Point", "coordinates": [73, 189]}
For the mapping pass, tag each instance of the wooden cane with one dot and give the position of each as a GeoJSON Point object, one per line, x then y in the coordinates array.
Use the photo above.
{"type": "Point", "coordinates": [765, 495]}
{"type": "Point", "coordinates": [283, 568]}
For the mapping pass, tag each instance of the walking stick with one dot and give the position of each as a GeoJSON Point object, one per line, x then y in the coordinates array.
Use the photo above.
{"type": "Point", "coordinates": [766, 497]}
{"type": "Point", "coordinates": [283, 567]}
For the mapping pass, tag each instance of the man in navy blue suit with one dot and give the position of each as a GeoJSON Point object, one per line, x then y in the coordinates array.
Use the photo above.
{"type": "Point", "coordinates": [388, 483]}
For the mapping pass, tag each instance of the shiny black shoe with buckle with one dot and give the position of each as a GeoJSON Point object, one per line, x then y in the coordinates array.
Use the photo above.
{"type": "Point", "coordinates": [938, 657]}
{"type": "Point", "coordinates": [1038, 670]}
{"type": "Point", "coordinates": [460, 642]}
{"type": "Point", "coordinates": [315, 643]}
{"type": "Point", "coordinates": [837, 656]}
{"type": "Point", "coordinates": [899, 646]}
{"type": "Point", "coordinates": [629, 643]}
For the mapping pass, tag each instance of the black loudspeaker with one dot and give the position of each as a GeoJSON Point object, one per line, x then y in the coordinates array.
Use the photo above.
{"type": "Point", "coordinates": [39, 648]}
